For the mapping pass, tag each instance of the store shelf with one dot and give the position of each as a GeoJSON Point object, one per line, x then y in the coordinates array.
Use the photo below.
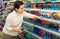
{"type": "Point", "coordinates": [11, 1]}
{"type": "Point", "coordinates": [42, 10]}
{"type": "Point", "coordinates": [31, 9]}
{"type": "Point", "coordinates": [50, 10]}
{"type": "Point", "coordinates": [56, 33]}
{"type": "Point", "coordinates": [55, 1]}
{"type": "Point", "coordinates": [37, 2]}
{"type": "Point", "coordinates": [7, 1]}
{"type": "Point", "coordinates": [50, 20]}
{"type": "Point", "coordinates": [33, 34]}
{"type": "Point", "coordinates": [45, 1]}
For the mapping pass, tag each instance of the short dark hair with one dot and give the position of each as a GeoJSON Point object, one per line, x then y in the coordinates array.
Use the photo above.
{"type": "Point", "coordinates": [17, 4]}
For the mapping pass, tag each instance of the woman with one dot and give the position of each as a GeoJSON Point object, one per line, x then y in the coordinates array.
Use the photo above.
{"type": "Point", "coordinates": [14, 21]}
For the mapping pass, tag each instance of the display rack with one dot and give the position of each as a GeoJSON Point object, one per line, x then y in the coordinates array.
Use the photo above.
{"type": "Point", "coordinates": [5, 15]}
{"type": "Point", "coordinates": [41, 10]}
{"type": "Point", "coordinates": [50, 20]}
{"type": "Point", "coordinates": [38, 26]}
{"type": "Point", "coordinates": [56, 33]}
{"type": "Point", "coordinates": [34, 34]}
{"type": "Point", "coordinates": [7, 1]}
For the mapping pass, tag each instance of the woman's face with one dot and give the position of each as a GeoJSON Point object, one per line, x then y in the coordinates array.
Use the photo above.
{"type": "Point", "coordinates": [21, 9]}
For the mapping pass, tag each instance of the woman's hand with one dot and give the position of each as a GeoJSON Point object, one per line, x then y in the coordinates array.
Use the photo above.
{"type": "Point", "coordinates": [17, 30]}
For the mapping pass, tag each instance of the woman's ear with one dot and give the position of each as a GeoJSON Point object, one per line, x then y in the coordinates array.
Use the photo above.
{"type": "Point", "coordinates": [16, 9]}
